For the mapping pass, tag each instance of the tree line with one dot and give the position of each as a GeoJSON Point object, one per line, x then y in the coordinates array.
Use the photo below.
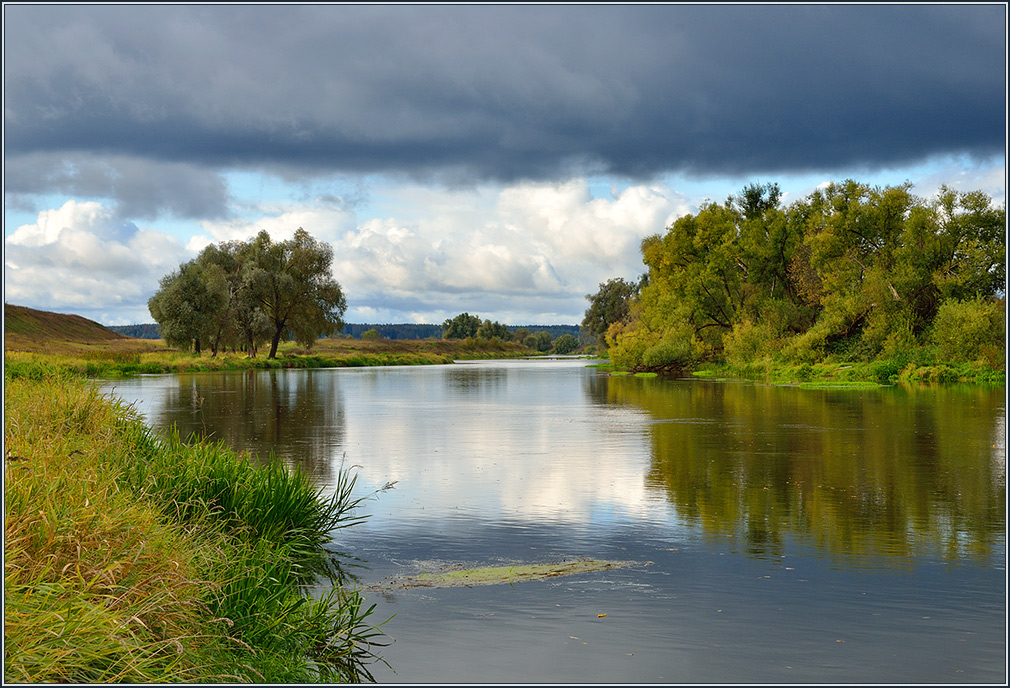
{"type": "Point", "coordinates": [466, 326]}
{"type": "Point", "coordinates": [851, 270]}
{"type": "Point", "coordinates": [426, 331]}
{"type": "Point", "coordinates": [243, 294]}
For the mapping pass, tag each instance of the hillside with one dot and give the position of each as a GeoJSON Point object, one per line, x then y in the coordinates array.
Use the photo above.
{"type": "Point", "coordinates": [27, 329]}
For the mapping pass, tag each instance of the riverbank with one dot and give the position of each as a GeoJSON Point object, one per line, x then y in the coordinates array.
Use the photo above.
{"type": "Point", "coordinates": [132, 357]}
{"type": "Point", "coordinates": [883, 372]}
{"type": "Point", "coordinates": [906, 370]}
{"type": "Point", "coordinates": [133, 558]}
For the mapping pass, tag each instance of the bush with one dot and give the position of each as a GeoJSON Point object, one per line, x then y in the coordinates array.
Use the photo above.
{"type": "Point", "coordinates": [669, 353]}
{"type": "Point", "coordinates": [969, 330]}
{"type": "Point", "coordinates": [747, 342]}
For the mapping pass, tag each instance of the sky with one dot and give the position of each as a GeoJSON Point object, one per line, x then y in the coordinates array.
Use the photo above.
{"type": "Point", "coordinates": [500, 160]}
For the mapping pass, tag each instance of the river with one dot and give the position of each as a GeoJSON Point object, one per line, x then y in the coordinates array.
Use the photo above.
{"type": "Point", "coordinates": [772, 534]}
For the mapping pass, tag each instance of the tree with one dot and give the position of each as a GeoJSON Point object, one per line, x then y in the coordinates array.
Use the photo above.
{"type": "Point", "coordinates": [292, 283]}
{"type": "Point", "coordinates": [565, 344]}
{"type": "Point", "coordinates": [539, 341]}
{"type": "Point", "coordinates": [608, 306]}
{"type": "Point", "coordinates": [492, 330]}
{"type": "Point", "coordinates": [185, 307]}
{"type": "Point", "coordinates": [462, 326]}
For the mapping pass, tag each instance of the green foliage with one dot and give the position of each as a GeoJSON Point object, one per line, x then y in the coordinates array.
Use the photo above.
{"type": "Point", "coordinates": [565, 344]}
{"type": "Point", "coordinates": [609, 305]}
{"type": "Point", "coordinates": [462, 326]}
{"type": "Point", "coordinates": [748, 341]}
{"type": "Point", "coordinates": [370, 334]}
{"type": "Point", "coordinates": [963, 329]}
{"type": "Point", "coordinates": [395, 331]}
{"type": "Point", "coordinates": [187, 305]}
{"type": "Point", "coordinates": [493, 330]}
{"type": "Point", "coordinates": [851, 272]}
{"type": "Point", "coordinates": [247, 293]}
{"type": "Point", "coordinates": [539, 341]}
{"type": "Point", "coordinates": [668, 354]}
{"type": "Point", "coordinates": [133, 559]}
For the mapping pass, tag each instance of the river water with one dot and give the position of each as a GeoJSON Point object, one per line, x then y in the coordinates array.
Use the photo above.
{"type": "Point", "coordinates": [773, 534]}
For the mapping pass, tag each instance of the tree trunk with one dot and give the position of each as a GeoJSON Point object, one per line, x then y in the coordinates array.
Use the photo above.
{"type": "Point", "coordinates": [275, 341]}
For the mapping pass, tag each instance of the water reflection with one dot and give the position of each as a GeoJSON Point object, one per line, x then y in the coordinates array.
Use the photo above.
{"type": "Point", "coordinates": [886, 472]}
{"type": "Point", "coordinates": [895, 472]}
{"type": "Point", "coordinates": [297, 415]}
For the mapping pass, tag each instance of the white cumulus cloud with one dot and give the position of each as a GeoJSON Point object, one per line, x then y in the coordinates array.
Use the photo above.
{"type": "Point", "coordinates": [80, 257]}
{"type": "Point", "coordinates": [530, 248]}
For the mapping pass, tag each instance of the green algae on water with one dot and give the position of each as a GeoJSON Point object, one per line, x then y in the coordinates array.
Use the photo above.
{"type": "Point", "coordinates": [840, 384]}
{"type": "Point", "coordinates": [497, 575]}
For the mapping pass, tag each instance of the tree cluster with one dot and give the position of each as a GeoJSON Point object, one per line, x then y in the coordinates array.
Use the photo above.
{"type": "Point", "coordinates": [611, 304]}
{"type": "Point", "coordinates": [850, 270]}
{"type": "Point", "coordinates": [465, 326]}
{"type": "Point", "coordinates": [240, 295]}
{"type": "Point", "coordinates": [394, 331]}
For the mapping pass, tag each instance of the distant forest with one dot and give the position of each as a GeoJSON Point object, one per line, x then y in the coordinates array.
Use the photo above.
{"type": "Point", "coordinates": [148, 331]}
{"type": "Point", "coordinates": [396, 331]}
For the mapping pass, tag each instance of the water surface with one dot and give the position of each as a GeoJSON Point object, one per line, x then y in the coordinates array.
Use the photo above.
{"type": "Point", "coordinates": [775, 534]}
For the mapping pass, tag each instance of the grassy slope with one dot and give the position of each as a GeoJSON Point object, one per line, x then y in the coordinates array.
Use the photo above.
{"type": "Point", "coordinates": [30, 325]}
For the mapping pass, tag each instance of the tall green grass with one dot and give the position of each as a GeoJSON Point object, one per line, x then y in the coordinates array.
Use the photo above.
{"type": "Point", "coordinates": [133, 558]}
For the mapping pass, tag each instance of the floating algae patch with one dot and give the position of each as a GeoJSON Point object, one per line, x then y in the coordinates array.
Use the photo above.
{"type": "Point", "coordinates": [840, 384]}
{"type": "Point", "coordinates": [497, 575]}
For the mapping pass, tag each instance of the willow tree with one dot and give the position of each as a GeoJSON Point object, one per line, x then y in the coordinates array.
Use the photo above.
{"type": "Point", "coordinates": [186, 306]}
{"type": "Point", "coordinates": [247, 292]}
{"type": "Point", "coordinates": [292, 283]}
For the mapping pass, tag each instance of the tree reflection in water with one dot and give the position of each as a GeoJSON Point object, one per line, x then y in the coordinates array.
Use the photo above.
{"type": "Point", "coordinates": [891, 471]}
{"type": "Point", "coordinates": [296, 415]}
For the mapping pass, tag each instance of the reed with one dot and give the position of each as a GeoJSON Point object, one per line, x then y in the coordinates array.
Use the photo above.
{"type": "Point", "coordinates": [132, 558]}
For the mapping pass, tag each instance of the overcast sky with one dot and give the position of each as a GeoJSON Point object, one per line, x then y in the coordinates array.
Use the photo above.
{"type": "Point", "coordinates": [500, 160]}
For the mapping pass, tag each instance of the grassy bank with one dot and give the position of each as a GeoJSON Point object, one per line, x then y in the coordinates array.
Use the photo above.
{"type": "Point", "coordinates": [132, 558]}
{"type": "Point", "coordinates": [78, 346]}
{"type": "Point", "coordinates": [131, 357]}
{"type": "Point", "coordinates": [904, 369]}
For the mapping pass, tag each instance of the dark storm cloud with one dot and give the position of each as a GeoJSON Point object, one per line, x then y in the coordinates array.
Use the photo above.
{"type": "Point", "coordinates": [504, 92]}
{"type": "Point", "coordinates": [142, 188]}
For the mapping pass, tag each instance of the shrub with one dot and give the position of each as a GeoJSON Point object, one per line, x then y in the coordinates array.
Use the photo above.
{"type": "Point", "coordinates": [668, 353]}
{"type": "Point", "coordinates": [962, 328]}
{"type": "Point", "coordinates": [747, 342]}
